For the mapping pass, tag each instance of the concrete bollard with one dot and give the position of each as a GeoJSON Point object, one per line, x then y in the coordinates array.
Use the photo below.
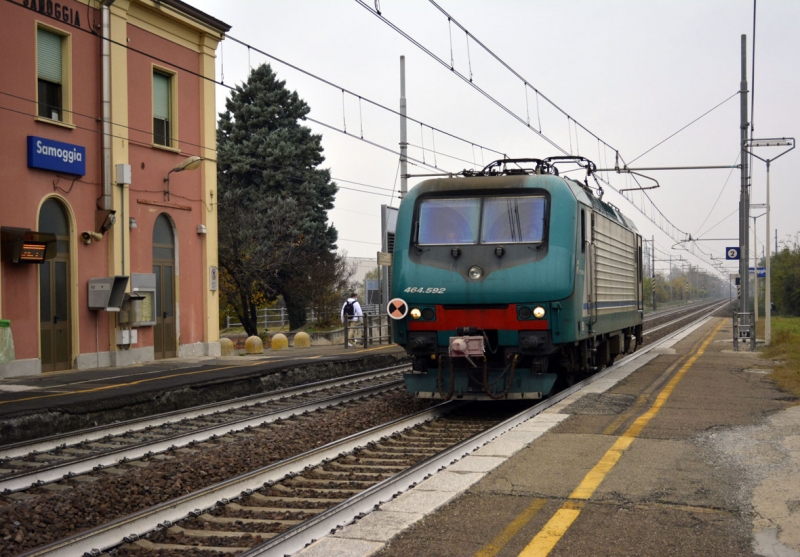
{"type": "Point", "coordinates": [253, 345]}
{"type": "Point", "coordinates": [226, 347]}
{"type": "Point", "coordinates": [302, 340]}
{"type": "Point", "coordinates": [280, 342]}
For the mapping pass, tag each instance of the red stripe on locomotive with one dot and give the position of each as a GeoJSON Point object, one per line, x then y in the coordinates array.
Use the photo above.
{"type": "Point", "coordinates": [490, 318]}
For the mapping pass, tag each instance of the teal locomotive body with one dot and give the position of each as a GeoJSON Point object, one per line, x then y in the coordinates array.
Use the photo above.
{"type": "Point", "coordinates": [511, 279]}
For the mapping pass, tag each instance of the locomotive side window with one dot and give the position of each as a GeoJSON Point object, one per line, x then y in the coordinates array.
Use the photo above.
{"type": "Point", "coordinates": [449, 221]}
{"type": "Point", "coordinates": [513, 220]}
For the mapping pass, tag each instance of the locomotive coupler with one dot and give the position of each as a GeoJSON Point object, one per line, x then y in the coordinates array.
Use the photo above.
{"type": "Point", "coordinates": [466, 347]}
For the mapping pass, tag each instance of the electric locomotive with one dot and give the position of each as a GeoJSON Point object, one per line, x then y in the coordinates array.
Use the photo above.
{"type": "Point", "coordinates": [507, 280]}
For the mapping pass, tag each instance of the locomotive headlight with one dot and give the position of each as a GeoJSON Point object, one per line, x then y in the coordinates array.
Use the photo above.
{"type": "Point", "coordinates": [475, 272]}
{"type": "Point", "coordinates": [415, 313]}
{"type": "Point", "coordinates": [538, 312]}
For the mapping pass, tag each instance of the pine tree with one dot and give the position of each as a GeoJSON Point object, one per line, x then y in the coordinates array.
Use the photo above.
{"type": "Point", "coordinates": [273, 198]}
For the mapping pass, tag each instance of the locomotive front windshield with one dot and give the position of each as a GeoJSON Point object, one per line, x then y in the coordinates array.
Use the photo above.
{"type": "Point", "coordinates": [492, 220]}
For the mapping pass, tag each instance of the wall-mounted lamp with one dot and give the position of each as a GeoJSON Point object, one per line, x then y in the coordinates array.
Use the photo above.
{"type": "Point", "coordinates": [201, 229]}
{"type": "Point", "coordinates": [189, 164]}
{"type": "Point", "coordinates": [133, 223]}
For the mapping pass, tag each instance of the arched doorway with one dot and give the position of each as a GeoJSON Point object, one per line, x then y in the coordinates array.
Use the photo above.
{"type": "Point", "coordinates": [164, 334]}
{"type": "Point", "coordinates": [54, 288]}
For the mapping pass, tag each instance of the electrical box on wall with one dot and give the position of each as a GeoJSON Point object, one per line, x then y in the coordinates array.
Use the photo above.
{"type": "Point", "coordinates": [107, 293]}
{"type": "Point", "coordinates": [127, 336]}
{"type": "Point", "coordinates": [123, 174]}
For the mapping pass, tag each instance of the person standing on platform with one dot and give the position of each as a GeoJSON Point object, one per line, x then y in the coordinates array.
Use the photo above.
{"type": "Point", "coordinates": [351, 310]}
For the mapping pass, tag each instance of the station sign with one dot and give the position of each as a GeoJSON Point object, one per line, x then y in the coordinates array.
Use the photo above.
{"type": "Point", "coordinates": [48, 154]}
{"type": "Point", "coordinates": [732, 253]}
{"type": "Point", "coordinates": [762, 272]}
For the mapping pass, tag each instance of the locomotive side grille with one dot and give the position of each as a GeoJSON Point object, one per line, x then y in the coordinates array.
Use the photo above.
{"type": "Point", "coordinates": [615, 266]}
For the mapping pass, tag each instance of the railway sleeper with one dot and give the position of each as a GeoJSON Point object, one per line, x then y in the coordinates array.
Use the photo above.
{"type": "Point", "coordinates": [294, 490]}
{"type": "Point", "coordinates": [337, 474]}
{"type": "Point", "coordinates": [397, 455]}
{"type": "Point", "coordinates": [47, 458]}
{"type": "Point", "coordinates": [328, 483]}
{"type": "Point", "coordinates": [413, 444]}
{"type": "Point", "coordinates": [151, 546]}
{"type": "Point", "coordinates": [233, 520]}
{"type": "Point", "coordinates": [312, 500]}
{"type": "Point", "coordinates": [177, 530]}
{"type": "Point", "coordinates": [402, 451]}
{"type": "Point", "coordinates": [440, 438]}
{"type": "Point", "coordinates": [394, 462]}
{"type": "Point", "coordinates": [320, 487]}
{"type": "Point", "coordinates": [274, 510]}
{"type": "Point", "coordinates": [367, 469]}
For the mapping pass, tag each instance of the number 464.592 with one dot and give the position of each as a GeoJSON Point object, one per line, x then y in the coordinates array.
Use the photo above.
{"type": "Point", "coordinates": [414, 289]}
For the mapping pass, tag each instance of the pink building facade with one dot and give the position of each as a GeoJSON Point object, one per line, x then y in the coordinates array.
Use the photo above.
{"type": "Point", "coordinates": [108, 211]}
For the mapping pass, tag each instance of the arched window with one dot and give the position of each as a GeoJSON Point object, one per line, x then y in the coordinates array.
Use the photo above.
{"type": "Point", "coordinates": [165, 338]}
{"type": "Point", "coordinates": [54, 289]}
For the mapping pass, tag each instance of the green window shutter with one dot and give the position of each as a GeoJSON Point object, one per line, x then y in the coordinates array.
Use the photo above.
{"type": "Point", "coordinates": [160, 96]}
{"type": "Point", "coordinates": [48, 55]}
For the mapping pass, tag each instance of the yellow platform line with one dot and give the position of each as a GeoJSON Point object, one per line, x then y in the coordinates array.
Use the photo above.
{"type": "Point", "coordinates": [544, 542]}
{"type": "Point", "coordinates": [493, 547]}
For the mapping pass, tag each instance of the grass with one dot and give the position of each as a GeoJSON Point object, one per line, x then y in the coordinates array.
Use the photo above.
{"type": "Point", "coordinates": [785, 349]}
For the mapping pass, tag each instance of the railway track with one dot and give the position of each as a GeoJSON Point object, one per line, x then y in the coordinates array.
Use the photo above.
{"type": "Point", "coordinates": [39, 462]}
{"type": "Point", "coordinates": [666, 313]}
{"type": "Point", "coordinates": [278, 509]}
{"type": "Point", "coordinates": [665, 322]}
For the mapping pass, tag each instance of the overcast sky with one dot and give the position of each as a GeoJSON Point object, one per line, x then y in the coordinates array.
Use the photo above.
{"type": "Point", "coordinates": [631, 72]}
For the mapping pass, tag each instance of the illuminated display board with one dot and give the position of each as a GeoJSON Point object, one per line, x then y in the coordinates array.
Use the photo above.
{"type": "Point", "coordinates": [21, 245]}
{"type": "Point", "coordinates": [33, 252]}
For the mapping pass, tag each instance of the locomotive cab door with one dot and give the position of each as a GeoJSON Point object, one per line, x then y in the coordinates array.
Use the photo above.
{"type": "Point", "coordinates": [591, 266]}
{"type": "Point", "coordinates": [639, 277]}
{"type": "Point", "coordinates": [588, 252]}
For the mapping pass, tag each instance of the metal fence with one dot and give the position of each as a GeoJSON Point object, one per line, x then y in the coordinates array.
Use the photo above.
{"type": "Point", "coordinates": [278, 318]}
{"type": "Point", "coordinates": [370, 330]}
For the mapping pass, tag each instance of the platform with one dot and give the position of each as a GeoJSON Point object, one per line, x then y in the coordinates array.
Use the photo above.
{"type": "Point", "coordinates": [688, 451]}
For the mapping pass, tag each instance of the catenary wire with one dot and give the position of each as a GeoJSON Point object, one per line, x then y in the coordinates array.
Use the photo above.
{"type": "Point", "coordinates": [459, 74]}
{"type": "Point", "coordinates": [684, 127]}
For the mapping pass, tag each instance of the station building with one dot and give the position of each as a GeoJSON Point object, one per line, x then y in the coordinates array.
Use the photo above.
{"type": "Point", "coordinates": [108, 214]}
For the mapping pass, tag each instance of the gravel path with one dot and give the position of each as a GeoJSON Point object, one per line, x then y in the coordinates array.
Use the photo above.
{"type": "Point", "coordinates": [769, 457]}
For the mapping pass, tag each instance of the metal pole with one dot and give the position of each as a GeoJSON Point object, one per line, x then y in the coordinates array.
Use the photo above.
{"type": "Point", "coordinates": [755, 274]}
{"type": "Point", "coordinates": [403, 131]}
{"type": "Point", "coordinates": [768, 279]}
{"type": "Point", "coordinates": [653, 244]}
{"type": "Point", "coordinates": [744, 199]}
{"type": "Point", "coordinates": [670, 278]}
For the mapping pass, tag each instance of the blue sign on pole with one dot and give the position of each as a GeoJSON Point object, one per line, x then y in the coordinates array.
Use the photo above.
{"type": "Point", "coordinates": [49, 154]}
{"type": "Point", "coordinates": [732, 253]}
{"type": "Point", "coordinates": [762, 272]}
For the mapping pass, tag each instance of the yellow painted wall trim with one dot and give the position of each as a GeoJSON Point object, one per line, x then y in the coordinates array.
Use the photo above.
{"type": "Point", "coordinates": [170, 25]}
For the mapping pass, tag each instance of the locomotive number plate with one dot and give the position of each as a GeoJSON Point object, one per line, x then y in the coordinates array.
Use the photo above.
{"type": "Point", "coordinates": [423, 290]}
